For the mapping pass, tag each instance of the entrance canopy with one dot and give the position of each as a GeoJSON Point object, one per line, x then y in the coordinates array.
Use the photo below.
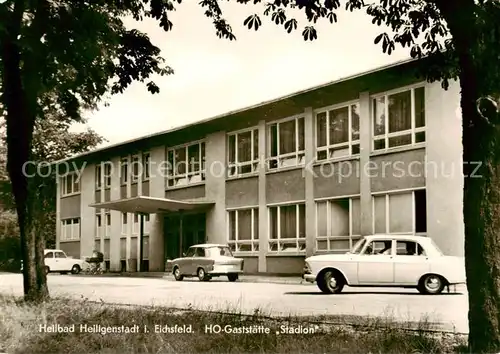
{"type": "Point", "coordinates": [151, 205]}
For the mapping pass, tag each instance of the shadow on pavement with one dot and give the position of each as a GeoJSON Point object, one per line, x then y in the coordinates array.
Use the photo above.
{"type": "Point", "coordinates": [365, 293]}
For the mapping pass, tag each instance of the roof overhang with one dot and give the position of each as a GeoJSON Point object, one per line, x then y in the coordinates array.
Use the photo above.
{"type": "Point", "coordinates": [152, 205]}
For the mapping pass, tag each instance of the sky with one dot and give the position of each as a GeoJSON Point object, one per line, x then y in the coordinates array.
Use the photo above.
{"type": "Point", "coordinates": [213, 76]}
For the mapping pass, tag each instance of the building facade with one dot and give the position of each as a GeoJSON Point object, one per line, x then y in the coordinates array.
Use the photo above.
{"type": "Point", "coordinates": [307, 174]}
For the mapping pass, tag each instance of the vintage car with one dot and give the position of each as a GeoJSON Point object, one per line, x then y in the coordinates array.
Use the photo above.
{"type": "Point", "coordinates": [387, 261]}
{"type": "Point", "coordinates": [206, 261]}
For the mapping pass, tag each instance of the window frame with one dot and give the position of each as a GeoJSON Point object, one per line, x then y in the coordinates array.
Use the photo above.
{"type": "Point", "coordinates": [124, 223]}
{"type": "Point", "coordinates": [253, 162]}
{"type": "Point", "coordinates": [64, 185]}
{"type": "Point", "coordinates": [98, 177]}
{"type": "Point", "coordinates": [352, 238]}
{"type": "Point", "coordinates": [98, 225]}
{"type": "Point", "coordinates": [413, 131]}
{"type": "Point", "coordinates": [171, 174]}
{"type": "Point", "coordinates": [107, 226]}
{"type": "Point", "coordinates": [70, 223]}
{"type": "Point", "coordinates": [386, 196]}
{"type": "Point", "coordinates": [350, 142]}
{"type": "Point", "coordinates": [299, 241]}
{"type": "Point", "coordinates": [108, 168]}
{"type": "Point", "coordinates": [134, 169]}
{"type": "Point", "coordinates": [299, 155]}
{"type": "Point", "coordinates": [253, 242]}
{"type": "Point", "coordinates": [146, 163]}
{"type": "Point", "coordinates": [124, 170]}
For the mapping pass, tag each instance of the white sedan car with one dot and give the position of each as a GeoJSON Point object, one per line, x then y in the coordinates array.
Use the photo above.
{"type": "Point", "coordinates": [387, 261]}
{"type": "Point", "coordinates": [58, 261]}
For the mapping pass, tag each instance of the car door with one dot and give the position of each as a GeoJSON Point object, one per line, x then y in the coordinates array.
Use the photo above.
{"type": "Point", "coordinates": [410, 262]}
{"type": "Point", "coordinates": [200, 260]}
{"type": "Point", "coordinates": [61, 261]}
{"type": "Point", "coordinates": [376, 263]}
{"type": "Point", "coordinates": [49, 261]}
{"type": "Point", "coordinates": [185, 263]}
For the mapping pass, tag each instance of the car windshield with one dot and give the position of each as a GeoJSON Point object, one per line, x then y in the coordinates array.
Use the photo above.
{"type": "Point", "coordinates": [358, 246]}
{"type": "Point", "coordinates": [218, 251]}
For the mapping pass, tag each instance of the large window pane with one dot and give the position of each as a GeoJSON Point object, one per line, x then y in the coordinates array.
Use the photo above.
{"type": "Point", "coordinates": [287, 137]}
{"type": "Point", "coordinates": [420, 211]}
{"type": "Point", "coordinates": [170, 163]}
{"type": "Point", "coordinates": [379, 116]}
{"type": "Point", "coordinates": [245, 147]}
{"type": "Point", "coordinates": [400, 112]}
{"type": "Point", "coordinates": [356, 217]}
{"type": "Point", "coordinates": [379, 214]}
{"type": "Point", "coordinates": [322, 219]}
{"type": "Point", "coordinates": [274, 140]}
{"type": "Point", "coordinates": [321, 129]}
{"type": "Point", "coordinates": [69, 184]}
{"type": "Point", "coordinates": [288, 221]}
{"type": "Point", "coordinates": [256, 144]}
{"type": "Point", "coordinates": [300, 133]}
{"type": "Point", "coordinates": [245, 224]}
{"type": "Point", "coordinates": [339, 125]}
{"type": "Point", "coordinates": [355, 121]}
{"type": "Point", "coordinates": [302, 221]}
{"type": "Point", "coordinates": [194, 158]}
{"type": "Point", "coordinates": [420, 107]}
{"type": "Point", "coordinates": [339, 216]}
{"type": "Point", "coordinates": [273, 221]}
{"type": "Point", "coordinates": [180, 161]}
{"type": "Point", "coordinates": [256, 224]}
{"type": "Point", "coordinates": [400, 213]}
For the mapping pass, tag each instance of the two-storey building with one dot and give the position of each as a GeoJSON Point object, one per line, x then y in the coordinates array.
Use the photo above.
{"type": "Point", "coordinates": [379, 152]}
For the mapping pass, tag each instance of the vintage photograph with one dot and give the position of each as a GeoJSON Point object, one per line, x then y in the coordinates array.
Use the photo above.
{"type": "Point", "coordinates": [242, 176]}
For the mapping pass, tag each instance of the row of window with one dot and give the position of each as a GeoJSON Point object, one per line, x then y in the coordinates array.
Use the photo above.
{"type": "Point", "coordinates": [398, 120]}
{"type": "Point", "coordinates": [104, 229]}
{"type": "Point", "coordinates": [338, 223]}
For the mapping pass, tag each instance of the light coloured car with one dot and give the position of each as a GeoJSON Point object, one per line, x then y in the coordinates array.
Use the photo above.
{"type": "Point", "coordinates": [57, 261]}
{"type": "Point", "coordinates": [206, 261]}
{"type": "Point", "coordinates": [387, 261]}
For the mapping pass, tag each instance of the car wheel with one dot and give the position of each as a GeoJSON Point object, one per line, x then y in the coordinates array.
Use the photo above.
{"type": "Point", "coordinates": [202, 275]}
{"type": "Point", "coordinates": [431, 284]}
{"type": "Point", "coordinates": [75, 269]}
{"type": "Point", "coordinates": [232, 277]}
{"type": "Point", "coordinates": [177, 274]}
{"type": "Point", "coordinates": [47, 270]}
{"type": "Point", "coordinates": [331, 282]}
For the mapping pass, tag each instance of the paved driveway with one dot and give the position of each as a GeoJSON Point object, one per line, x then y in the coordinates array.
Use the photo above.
{"type": "Point", "coordinates": [284, 299]}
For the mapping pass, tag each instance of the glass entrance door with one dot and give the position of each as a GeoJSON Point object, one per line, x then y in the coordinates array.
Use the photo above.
{"type": "Point", "coordinates": [183, 231]}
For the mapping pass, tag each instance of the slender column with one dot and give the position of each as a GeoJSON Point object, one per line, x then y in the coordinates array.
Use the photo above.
{"type": "Point", "coordinates": [364, 161]}
{"type": "Point", "coordinates": [309, 182]}
{"type": "Point", "coordinates": [263, 223]}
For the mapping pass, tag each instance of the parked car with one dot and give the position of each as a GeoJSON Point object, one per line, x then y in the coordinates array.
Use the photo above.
{"type": "Point", "coordinates": [387, 261]}
{"type": "Point", "coordinates": [207, 261]}
{"type": "Point", "coordinates": [57, 261]}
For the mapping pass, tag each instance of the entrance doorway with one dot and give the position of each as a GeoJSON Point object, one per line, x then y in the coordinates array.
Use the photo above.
{"type": "Point", "coordinates": [181, 231]}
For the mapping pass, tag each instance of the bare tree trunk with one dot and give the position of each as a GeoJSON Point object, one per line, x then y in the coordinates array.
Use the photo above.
{"type": "Point", "coordinates": [482, 228]}
{"type": "Point", "coordinates": [20, 124]}
{"type": "Point", "coordinates": [481, 143]}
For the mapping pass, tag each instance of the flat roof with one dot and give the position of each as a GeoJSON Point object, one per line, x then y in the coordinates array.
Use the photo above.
{"type": "Point", "coordinates": [151, 205]}
{"type": "Point", "coordinates": [233, 112]}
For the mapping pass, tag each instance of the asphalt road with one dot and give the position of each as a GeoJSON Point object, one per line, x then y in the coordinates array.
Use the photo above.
{"type": "Point", "coordinates": [448, 310]}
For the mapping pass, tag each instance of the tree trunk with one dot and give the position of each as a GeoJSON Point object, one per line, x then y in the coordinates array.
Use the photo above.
{"type": "Point", "coordinates": [481, 144]}
{"type": "Point", "coordinates": [482, 226]}
{"type": "Point", "coordinates": [20, 124]}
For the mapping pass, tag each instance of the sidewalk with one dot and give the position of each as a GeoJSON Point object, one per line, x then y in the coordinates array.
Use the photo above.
{"type": "Point", "coordinates": [247, 278]}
